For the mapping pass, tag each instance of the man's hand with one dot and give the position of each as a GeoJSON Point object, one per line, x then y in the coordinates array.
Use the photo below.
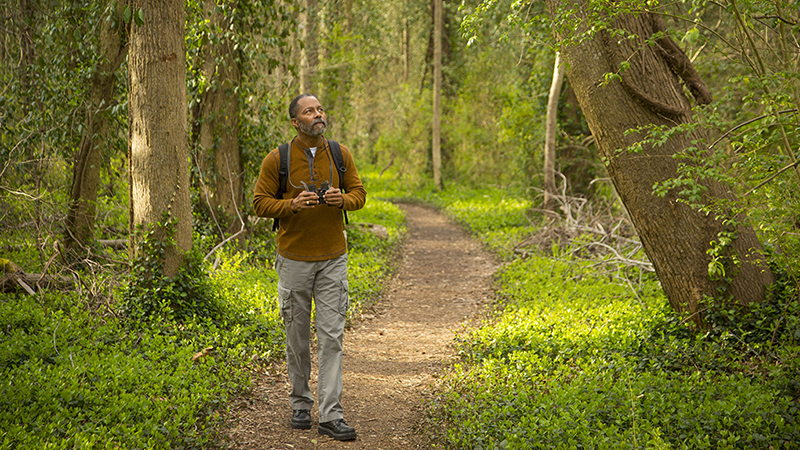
{"type": "Point", "coordinates": [334, 197]}
{"type": "Point", "coordinates": [306, 200]}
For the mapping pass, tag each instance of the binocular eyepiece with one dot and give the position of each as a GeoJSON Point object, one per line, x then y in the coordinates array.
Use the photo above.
{"type": "Point", "coordinates": [323, 188]}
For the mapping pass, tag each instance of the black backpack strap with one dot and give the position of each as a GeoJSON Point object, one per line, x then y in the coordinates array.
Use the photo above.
{"type": "Point", "coordinates": [283, 175]}
{"type": "Point", "coordinates": [338, 161]}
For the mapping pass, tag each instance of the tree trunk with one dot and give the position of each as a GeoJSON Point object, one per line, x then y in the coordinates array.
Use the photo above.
{"type": "Point", "coordinates": [551, 127]}
{"type": "Point", "coordinates": [86, 168]}
{"type": "Point", "coordinates": [219, 155]}
{"type": "Point", "coordinates": [674, 236]}
{"type": "Point", "coordinates": [308, 68]}
{"type": "Point", "coordinates": [437, 94]}
{"type": "Point", "coordinates": [159, 157]}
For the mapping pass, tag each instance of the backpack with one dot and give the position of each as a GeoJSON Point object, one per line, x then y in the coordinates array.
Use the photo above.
{"type": "Point", "coordinates": [283, 172]}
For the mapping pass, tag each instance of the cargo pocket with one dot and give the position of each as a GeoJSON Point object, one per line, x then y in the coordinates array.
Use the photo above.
{"type": "Point", "coordinates": [285, 303]}
{"type": "Point", "coordinates": [344, 302]}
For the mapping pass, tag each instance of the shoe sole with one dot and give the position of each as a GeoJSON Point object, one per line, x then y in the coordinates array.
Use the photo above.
{"type": "Point", "coordinates": [301, 426]}
{"type": "Point", "coordinates": [337, 436]}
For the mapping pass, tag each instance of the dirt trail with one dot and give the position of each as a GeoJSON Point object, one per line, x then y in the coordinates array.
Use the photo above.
{"type": "Point", "coordinates": [393, 355]}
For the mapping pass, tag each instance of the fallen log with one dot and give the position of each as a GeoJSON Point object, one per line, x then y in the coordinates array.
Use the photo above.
{"type": "Point", "coordinates": [14, 278]}
{"type": "Point", "coordinates": [116, 244]}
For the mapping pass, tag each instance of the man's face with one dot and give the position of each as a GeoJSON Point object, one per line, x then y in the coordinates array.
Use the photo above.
{"type": "Point", "coordinates": [310, 118]}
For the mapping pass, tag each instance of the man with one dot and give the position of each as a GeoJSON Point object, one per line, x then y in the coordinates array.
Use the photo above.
{"type": "Point", "coordinates": [312, 260]}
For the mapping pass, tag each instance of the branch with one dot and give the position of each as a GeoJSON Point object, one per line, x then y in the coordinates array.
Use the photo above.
{"type": "Point", "coordinates": [775, 16]}
{"type": "Point", "coordinates": [619, 258]}
{"type": "Point", "coordinates": [727, 133]}
{"type": "Point", "coordinates": [387, 166]}
{"type": "Point", "coordinates": [228, 239]}
{"type": "Point", "coordinates": [775, 175]}
{"type": "Point", "coordinates": [615, 58]}
{"type": "Point", "coordinates": [236, 207]}
{"type": "Point", "coordinates": [679, 62]}
{"type": "Point", "coordinates": [13, 276]}
{"type": "Point", "coordinates": [205, 191]}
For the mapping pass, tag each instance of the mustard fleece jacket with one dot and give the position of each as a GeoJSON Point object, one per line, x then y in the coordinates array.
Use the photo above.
{"type": "Point", "coordinates": [316, 234]}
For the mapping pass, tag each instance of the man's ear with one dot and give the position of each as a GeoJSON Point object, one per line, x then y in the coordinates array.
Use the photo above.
{"type": "Point", "coordinates": [294, 122]}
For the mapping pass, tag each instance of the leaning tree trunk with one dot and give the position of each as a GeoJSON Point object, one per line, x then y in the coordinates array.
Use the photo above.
{"type": "Point", "coordinates": [159, 156]}
{"type": "Point", "coordinates": [674, 236]}
{"type": "Point", "coordinates": [551, 127]}
{"type": "Point", "coordinates": [219, 155]}
{"type": "Point", "coordinates": [86, 168]}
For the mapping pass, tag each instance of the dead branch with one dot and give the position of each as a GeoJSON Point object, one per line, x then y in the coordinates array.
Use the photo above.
{"type": "Point", "coordinates": [116, 244]}
{"type": "Point", "coordinates": [14, 278]}
{"type": "Point", "coordinates": [387, 166]}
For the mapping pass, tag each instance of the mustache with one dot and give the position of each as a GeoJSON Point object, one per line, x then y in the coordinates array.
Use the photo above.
{"type": "Point", "coordinates": [322, 121]}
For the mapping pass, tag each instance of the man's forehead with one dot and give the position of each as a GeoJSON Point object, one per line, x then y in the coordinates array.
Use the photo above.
{"type": "Point", "coordinates": [306, 102]}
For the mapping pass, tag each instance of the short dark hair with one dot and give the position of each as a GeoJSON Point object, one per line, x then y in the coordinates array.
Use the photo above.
{"type": "Point", "coordinates": [293, 104]}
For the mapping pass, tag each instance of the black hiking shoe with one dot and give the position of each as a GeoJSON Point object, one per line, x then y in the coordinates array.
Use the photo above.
{"type": "Point", "coordinates": [301, 419]}
{"type": "Point", "coordinates": [338, 430]}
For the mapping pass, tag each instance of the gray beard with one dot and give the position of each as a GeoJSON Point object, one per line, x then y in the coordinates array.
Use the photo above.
{"type": "Point", "coordinates": [311, 130]}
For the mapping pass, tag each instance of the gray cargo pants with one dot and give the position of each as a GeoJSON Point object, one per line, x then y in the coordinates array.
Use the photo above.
{"type": "Point", "coordinates": [326, 283]}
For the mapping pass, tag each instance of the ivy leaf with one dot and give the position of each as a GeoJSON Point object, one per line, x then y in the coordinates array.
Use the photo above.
{"type": "Point", "coordinates": [126, 14]}
{"type": "Point", "coordinates": [139, 17]}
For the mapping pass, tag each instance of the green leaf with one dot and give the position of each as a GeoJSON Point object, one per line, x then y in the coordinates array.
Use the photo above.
{"type": "Point", "coordinates": [126, 14]}
{"type": "Point", "coordinates": [139, 17]}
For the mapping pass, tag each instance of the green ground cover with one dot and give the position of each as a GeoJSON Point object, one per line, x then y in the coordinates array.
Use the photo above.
{"type": "Point", "coordinates": [77, 371]}
{"type": "Point", "coordinates": [580, 353]}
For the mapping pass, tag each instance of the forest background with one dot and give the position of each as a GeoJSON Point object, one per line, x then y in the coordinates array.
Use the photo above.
{"type": "Point", "coordinates": [89, 259]}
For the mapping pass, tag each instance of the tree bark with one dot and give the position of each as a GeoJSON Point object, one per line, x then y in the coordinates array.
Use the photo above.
{"type": "Point", "coordinates": [217, 123]}
{"type": "Point", "coordinates": [674, 236]}
{"type": "Point", "coordinates": [551, 127]}
{"type": "Point", "coordinates": [159, 157]}
{"type": "Point", "coordinates": [437, 94]}
{"type": "Point", "coordinates": [86, 168]}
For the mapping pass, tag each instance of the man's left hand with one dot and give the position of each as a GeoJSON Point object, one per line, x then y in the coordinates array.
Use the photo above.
{"type": "Point", "coordinates": [334, 197]}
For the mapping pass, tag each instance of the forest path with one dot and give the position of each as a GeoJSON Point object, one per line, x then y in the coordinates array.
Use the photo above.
{"type": "Point", "coordinates": [392, 355]}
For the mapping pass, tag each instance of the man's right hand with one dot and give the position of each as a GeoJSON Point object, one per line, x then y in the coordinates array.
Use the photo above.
{"type": "Point", "coordinates": [306, 200]}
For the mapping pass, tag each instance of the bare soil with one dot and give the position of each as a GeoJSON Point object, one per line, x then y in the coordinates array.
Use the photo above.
{"type": "Point", "coordinates": [392, 355]}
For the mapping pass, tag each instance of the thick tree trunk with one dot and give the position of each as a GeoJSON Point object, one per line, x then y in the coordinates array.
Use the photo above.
{"type": "Point", "coordinates": [674, 236]}
{"type": "Point", "coordinates": [86, 168]}
{"type": "Point", "coordinates": [159, 157]}
{"type": "Point", "coordinates": [551, 127]}
{"type": "Point", "coordinates": [437, 94]}
{"type": "Point", "coordinates": [219, 155]}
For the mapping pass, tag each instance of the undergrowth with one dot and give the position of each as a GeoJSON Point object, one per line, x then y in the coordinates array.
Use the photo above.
{"type": "Point", "coordinates": [154, 366]}
{"type": "Point", "coordinates": [583, 350]}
